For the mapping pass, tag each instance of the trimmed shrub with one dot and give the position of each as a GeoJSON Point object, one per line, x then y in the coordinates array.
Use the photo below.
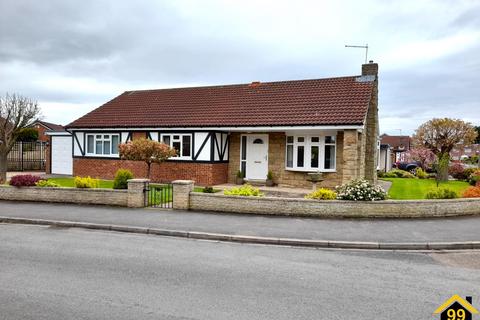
{"type": "Point", "coordinates": [86, 182]}
{"type": "Point", "coordinates": [24, 180]}
{"type": "Point", "coordinates": [472, 192]}
{"type": "Point", "coordinates": [421, 174]}
{"type": "Point", "coordinates": [468, 172]}
{"type": "Point", "coordinates": [246, 190]}
{"type": "Point", "coordinates": [441, 193]}
{"type": "Point", "coordinates": [474, 178]}
{"type": "Point", "coordinates": [322, 194]}
{"type": "Point", "coordinates": [28, 135]}
{"type": "Point", "coordinates": [360, 190]}
{"type": "Point", "coordinates": [397, 173]}
{"type": "Point", "coordinates": [457, 171]}
{"type": "Point", "coordinates": [121, 177]}
{"type": "Point", "coordinates": [46, 183]}
{"type": "Point", "coordinates": [208, 189]}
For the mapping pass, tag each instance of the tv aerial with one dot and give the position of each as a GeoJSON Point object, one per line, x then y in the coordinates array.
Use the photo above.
{"type": "Point", "coordinates": [360, 47]}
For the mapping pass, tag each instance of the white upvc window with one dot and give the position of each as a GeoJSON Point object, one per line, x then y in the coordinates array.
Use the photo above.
{"type": "Point", "coordinates": [102, 145]}
{"type": "Point", "coordinates": [310, 153]}
{"type": "Point", "coordinates": [182, 142]}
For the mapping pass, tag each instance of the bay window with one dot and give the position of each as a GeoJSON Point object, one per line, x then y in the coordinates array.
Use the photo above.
{"type": "Point", "coordinates": [310, 153]}
{"type": "Point", "coordinates": [102, 144]}
{"type": "Point", "coordinates": [181, 142]}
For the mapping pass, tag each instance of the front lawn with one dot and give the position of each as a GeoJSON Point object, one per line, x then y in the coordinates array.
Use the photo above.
{"type": "Point", "coordinates": [68, 182]}
{"type": "Point", "coordinates": [405, 189]}
{"type": "Point", "coordinates": [106, 184]}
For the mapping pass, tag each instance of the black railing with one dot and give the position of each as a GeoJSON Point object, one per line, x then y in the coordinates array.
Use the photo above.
{"type": "Point", "coordinates": [26, 156]}
{"type": "Point", "coordinates": [160, 195]}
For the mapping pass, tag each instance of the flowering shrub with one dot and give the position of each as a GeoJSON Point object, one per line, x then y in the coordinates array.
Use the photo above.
{"type": "Point", "coordinates": [24, 180]}
{"type": "Point", "coordinates": [441, 193]}
{"type": "Point", "coordinates": [86, 182]}
{"type": "Point", "coordinates": [472, 192]}
{"type": "Point", "coordinates": [360, 190]}
{"type": "Point", "coordinates": [424, 156]}
{"type": "Point", "coordinates": [457, 171]}
{"type": "Point", "coordinates": [245, 190]}
{"type": "Point", "coordinates": [322, 194]}
{"type": "Point", "coordinates": [46, 183]}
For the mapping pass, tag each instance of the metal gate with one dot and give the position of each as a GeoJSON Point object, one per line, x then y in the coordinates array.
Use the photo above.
{"type": "Point", "coordinates": [160, 195]}
{"type": "Point", "coordinates": [26, 156]}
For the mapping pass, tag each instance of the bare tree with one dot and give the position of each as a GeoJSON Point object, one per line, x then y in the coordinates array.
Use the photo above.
{"type": "Point", "coordinates": [16, 113]}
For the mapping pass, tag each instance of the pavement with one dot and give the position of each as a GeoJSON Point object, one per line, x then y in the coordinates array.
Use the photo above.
{"type": "Point", "coordinates": [414, 234]}
{"type": "Point", "coordinates": [50, 273]}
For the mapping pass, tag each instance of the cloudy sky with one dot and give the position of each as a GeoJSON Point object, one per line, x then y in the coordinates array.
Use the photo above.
{"type": "Point", "coordinates": [72, 56]}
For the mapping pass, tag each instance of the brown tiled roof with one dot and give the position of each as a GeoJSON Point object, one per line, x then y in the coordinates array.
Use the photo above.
{"type": "Point", "coordinates": [396, 142]}
{"type": "Point", "coordinates": [331, 101]}
{"type": "Point", "coordinates": [51, 126]}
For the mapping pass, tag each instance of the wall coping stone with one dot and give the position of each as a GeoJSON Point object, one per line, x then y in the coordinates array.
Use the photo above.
{"type": "Point", "coordinates": [66, 188]}
{"type": "Point", "coordinates": [183, 182]}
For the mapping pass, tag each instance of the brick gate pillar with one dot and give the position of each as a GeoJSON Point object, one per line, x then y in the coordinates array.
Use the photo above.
{"type": "Point", "coordinates": [136, 192]}
{"type": "Point", "coordinates": [181, 194]}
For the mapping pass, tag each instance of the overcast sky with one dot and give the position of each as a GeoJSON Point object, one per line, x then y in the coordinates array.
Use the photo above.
{"type": "Point", "coordinates": [73, 56]}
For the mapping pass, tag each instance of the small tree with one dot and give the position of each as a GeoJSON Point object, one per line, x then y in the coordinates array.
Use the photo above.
{"type": "Point", "coordinates": [440, 136]}
{"type": "Point", "coordinates": [145, 150]}
{"type": "Point", "coordinates": [16, 113]}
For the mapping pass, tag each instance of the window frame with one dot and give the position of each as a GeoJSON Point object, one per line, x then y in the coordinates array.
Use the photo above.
{"type": "Point", "coordinates": [102, 140]}
{"type": "Point", "coordinates": [180, 140]}
{"type": "Point", "coordinates": [307, 144]}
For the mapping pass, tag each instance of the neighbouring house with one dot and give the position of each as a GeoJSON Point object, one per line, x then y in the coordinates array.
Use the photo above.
{"type": "Point", "coordinates": [385, 157]}
{"type": "Point", "coordinates": [462, 152]}
{"type": "Point", "coordinates": [42, 127]}
{"type": "Point", "coordinates": [399, 146]}
{"type": "Point", "coordinates": [289, 127]}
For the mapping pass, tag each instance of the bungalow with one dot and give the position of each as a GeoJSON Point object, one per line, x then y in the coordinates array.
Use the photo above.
{"type": "Point", "coordinates": [289, 127]}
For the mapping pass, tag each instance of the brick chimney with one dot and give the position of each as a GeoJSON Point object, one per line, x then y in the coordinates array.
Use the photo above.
{"type": "Point", "coordinates": [370, 69]}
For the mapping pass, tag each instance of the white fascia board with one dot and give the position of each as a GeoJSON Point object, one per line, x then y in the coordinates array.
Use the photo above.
{"type": "Point", "coordinates": [231, 129]}
{"type": "Point", "coordinates": [57, 133]}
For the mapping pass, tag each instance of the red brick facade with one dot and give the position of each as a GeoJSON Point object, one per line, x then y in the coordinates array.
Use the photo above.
{"type": "Point", "coordinates": [202, 173]}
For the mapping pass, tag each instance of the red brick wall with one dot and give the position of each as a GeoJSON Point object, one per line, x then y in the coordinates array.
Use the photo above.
{"type": "Point", "coordinates": [202, 173]}
{"type": "Point", "coordinates": [139, 135]}
{"type": "Point", "coordinates": [48, 167]}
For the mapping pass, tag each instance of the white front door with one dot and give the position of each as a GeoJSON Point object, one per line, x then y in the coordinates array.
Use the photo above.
{"type": "Point", "coordinates": [257, 156]}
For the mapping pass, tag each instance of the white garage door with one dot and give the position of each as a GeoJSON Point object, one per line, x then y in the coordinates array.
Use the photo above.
{"type": "Point", "coordinates": [62, 161]}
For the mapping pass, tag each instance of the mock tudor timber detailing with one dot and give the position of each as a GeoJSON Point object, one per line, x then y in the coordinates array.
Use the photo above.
{"type": "Point", "coordinates": [205, 125]}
